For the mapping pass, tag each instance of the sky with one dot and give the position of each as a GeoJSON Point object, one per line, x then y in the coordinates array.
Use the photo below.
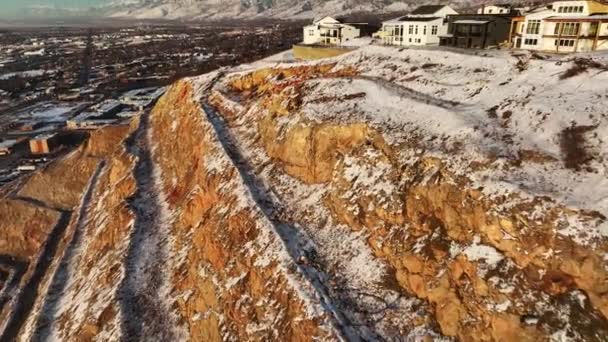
{"type": "Point", "coordinates": [17, 8]}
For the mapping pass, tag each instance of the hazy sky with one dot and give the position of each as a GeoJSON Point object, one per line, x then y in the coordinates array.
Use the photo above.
{"type": "Point", "coordinates": [15, 8]}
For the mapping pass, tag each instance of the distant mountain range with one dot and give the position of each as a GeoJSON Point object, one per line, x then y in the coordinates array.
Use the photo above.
{"type": "Point", "coordinates": [249, 9]}
{"type": "Point", "coordinates": [240, 9]}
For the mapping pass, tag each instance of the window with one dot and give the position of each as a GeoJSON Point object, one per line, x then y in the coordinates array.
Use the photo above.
{"type": "Point", "coordinates": [311, 32]}
{"type": "Point", "coordinates": [424, 30]}
{"type": "Point", "coordinates": [531, 41]}
{"type": "Point", "coordinates": [533, 27]}
{"type": "Point", "coordinates": [564, 42]}
{"type": "Point", "coordinates": [410, 29]}
{"type": "Point", "coordinates": [410, 40]}
{"type": "Point", "coordinates": [416, 30]}
{"type": "Point", "coordinates": [489, 11]}
{"type": "Point", "coordinates": [434, 30]}
{"type": "Point", "coordinates": [580, 9]}
{"type": "Point", "coordinates": [571, 29]}
{"type": "Point", "coordinates": [567, 29]}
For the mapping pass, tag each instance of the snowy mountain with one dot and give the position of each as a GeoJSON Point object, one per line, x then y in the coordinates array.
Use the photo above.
{"type": "Point", "coordinates": [248, 9]}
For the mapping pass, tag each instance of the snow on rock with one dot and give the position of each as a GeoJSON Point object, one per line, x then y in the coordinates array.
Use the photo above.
{"type": "Point", "coordinates": [423, 154]}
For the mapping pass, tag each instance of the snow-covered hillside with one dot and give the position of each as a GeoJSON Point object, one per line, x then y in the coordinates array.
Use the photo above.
{"type": "Point", "coordinates": [249, 9]}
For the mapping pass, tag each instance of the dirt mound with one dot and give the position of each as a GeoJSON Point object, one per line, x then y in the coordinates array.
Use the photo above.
{"type": "Point", "coordinates": [24, 228]}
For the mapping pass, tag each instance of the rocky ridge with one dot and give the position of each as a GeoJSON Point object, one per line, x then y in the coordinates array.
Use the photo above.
{"type": "Point", "coordinates": [382, 195]}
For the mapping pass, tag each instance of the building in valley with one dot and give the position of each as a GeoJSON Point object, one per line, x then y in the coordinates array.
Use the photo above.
{"type": "Point", "coordinates": [331, 31]}
{"type": "Point", "coordinates": [477, 30]}
{"type": "Point", "coordinates": [7, 146]}
{"type": "Point", "coordinates": [421, 27]}
{"type": "Point", "coordinates": [44, 144]}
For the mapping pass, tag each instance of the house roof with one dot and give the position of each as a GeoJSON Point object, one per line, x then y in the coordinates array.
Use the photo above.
{"type": "Point", "coordinates": [44, 136]}
{"type": "Point", "coordinates": [490, 17]}
{"type": "Point", "coordinates": [427, 9]}
{"type": "Point", "coordinates": [408, 18]}
{"type": "Point", "coordinates": [500, 5]}
{"type": "Point", "coordinates": [336, 20]}
{"type": "Point", "coordinates": [6, 144]}
{"type": "Point", "coordinates": [594, 17]}
{"type": "Point", "coordinates": [472, 22]}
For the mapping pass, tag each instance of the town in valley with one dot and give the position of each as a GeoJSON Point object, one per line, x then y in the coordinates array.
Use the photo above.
{"type": "Point", "coordinates": [58, 83]}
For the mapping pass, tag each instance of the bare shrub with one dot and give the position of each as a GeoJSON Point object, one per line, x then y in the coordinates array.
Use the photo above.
{"type": "Point", "coordinates": [581, 65]}
{"type": "Point", "coordinates": [492, 112]}
{"type": "Point", "coordinates": [572, 145]}
{"type": "Point", "coordinates": [574, 70]}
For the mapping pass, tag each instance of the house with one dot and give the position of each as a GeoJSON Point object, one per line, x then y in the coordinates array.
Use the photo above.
{"type": "Point", "coordinates": [421, 27]}
{"type": "Point", "coordinates": [43, 144]}
{"type": "Point", "coordinates": [139, 99]}
{"type": "Point", "coordinates": [495, 9]}
{"type": "Point", "coordinates": [479, 31]}
{"type": "Point", "coordinates": [526, 30]}
{"type": "Point", "coordinates": [89, 120]}
{"type": "Point", "coordinates": [7, 146]}
{"type": "Point", "coordinates": [109, 108]}
{"type": "Point", "coordinates": [564, 26]}
{"type": "Point", "coordinates": [330, 31]}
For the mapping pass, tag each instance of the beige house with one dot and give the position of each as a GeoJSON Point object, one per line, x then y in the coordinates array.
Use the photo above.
{"type": "Point", "coordinates": [563, 26]}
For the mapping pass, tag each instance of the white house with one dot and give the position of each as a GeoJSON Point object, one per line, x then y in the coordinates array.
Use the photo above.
{"type": "Point", "coordinates": [421, 27]}
{"type": "Point", "coordinates": [564, 26]}
{"type": "Point", "coordinates": [331, 31]}
{"type": "Point", "coordinates": [495, 9]}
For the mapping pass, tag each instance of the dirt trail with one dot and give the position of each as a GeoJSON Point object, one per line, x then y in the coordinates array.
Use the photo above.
{"type": "Point", "coordinates": [412, 94]}
{"type": "Point", "coordinates": [16, 269]}
{"type": "Point", "coordinates": [24, 301]}
{"type": "Point", "coordinates": [145, 312]}
{"type": "Point", "coordinates": [60, 279]}
{"type": "Point", "coordinates": [293, 239]}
